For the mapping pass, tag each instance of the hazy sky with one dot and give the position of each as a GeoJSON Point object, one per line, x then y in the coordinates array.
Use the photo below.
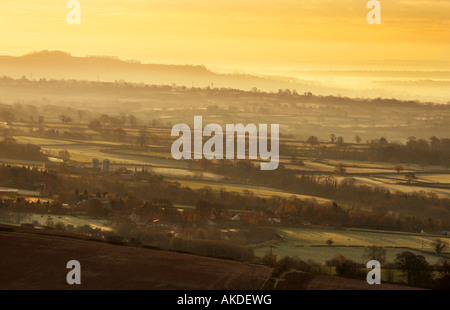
{"type": "Point", "coordinates": [235, 33]}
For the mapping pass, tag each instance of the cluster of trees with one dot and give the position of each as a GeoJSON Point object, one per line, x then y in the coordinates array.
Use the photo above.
{"type": "Point", "coordinates": [415, 269]}
{"type": "Point", "coordinates": [105, 121]}
{"type": "Point", "coordinates": [213, 248]}
{"type": "Point", "coordinates": [26, 178]}
{"type": "Point", "coordinates": [111, 127]}
{"type": "Point", "coordinates": [63, 134]}
{"type": "Point", "coordinates": [346, 267]}
{"type": "Point", "coordinates": [9, 148]}
{"type": "Point", "coordinates": [18, 210]}
{"type": "Point", "coordinates": [435, 151]}
{"type": "Point", "coordinates": [417, 272]}
{"type": "Point", "coordinates": [191, 222]}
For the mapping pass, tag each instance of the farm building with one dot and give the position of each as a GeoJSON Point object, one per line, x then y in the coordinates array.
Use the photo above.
{"type": "Point", "coordinates": [95, 163]}
{"type": "Point", "coordinates": [106, 165]}
{"type": "Point", "coordinates": [275, 220]}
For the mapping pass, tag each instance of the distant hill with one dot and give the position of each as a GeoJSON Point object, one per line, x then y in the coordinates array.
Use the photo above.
{"type": "Point", "coordinates": [61, 65]}
{"type": "Point", "coordinates": [405, 85]}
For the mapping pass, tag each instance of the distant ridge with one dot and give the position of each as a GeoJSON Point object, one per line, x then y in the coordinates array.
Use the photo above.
{"type": "Point", "coordinates": [62, 65]}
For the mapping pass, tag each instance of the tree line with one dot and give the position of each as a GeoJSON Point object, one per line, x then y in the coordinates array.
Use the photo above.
{"type": "Point", "coordinates": [434, 151]}
{"type": "Point", "coordinates": [9, 148]}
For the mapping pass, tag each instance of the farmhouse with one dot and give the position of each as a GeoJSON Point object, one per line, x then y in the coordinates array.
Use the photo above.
{"type": "Point", "coordinates": [275, 220]}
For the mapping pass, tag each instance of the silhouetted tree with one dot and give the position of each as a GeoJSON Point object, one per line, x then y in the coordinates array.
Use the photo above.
{"type": "Point", "coordinates": [143, 138]}
{"type": "Point", "coordinates": [65, 155]}
{"type": "Point", "coordinates": [340, 169]}
{"type": "Point", "coordinates": [95, 125]}
{"type": "Point", "coordinates": [398, 168]}
{"type": "Point", "coordinates": [410, 177]}
{"type": "Point", "coordinates": [132, 120]}
{"type": "Point", "coordinates": [65, 119]}
{"type": "Point", "coordinates": [333, 138]}
{"type": "Point", "coordinates": [439, 245]}
{"type": "Point", "coordinates": [376, 253]}
{"type": "Point", "coordinates": [415, 267]}
{"type": "Point", "coordinates": [120, 134]}
{"type": "Point", "coordinates": [443, 281]}
{"type": "Point", "coordinates": [312, 140]}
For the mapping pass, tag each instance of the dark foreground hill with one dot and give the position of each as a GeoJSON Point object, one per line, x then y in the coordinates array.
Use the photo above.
{"type": "Point", "coordinates": [31, 261]}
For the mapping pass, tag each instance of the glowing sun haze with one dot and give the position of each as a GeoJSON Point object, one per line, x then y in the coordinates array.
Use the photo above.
{"type": "Point", "coordinates": [233, 33]}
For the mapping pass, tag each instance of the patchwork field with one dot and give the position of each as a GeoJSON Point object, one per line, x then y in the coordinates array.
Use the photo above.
{"type": "Point", "coordinates": [377, 174]}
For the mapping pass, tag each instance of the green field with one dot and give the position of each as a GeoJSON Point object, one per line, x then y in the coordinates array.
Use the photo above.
{"type": "Point", "coordinates": [42, 141]}
{"type": "Point", "coordinates": [302, 243]}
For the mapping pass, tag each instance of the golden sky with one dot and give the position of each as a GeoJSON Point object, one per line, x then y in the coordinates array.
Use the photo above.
{"type": "Point", "coordinates": [233, 33]}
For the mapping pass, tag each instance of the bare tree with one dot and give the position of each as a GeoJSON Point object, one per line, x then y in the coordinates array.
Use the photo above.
{"type": "Point", "coordinates": [65, 119]}
{"type": "Point", "coordinates": [410, 177]}
{"type": "Point", "coordinates": [132, 120]}
{"type": "Point", "coordinates": [65, 155]}
{"type": "Point", "coordinates": [333, 138]}
{"type": "Point", "coordinates": [439, 245]}
{"type": "Point", "coordinates": [104, 119]}
{"type": "Point", "coordinates": [95, 125]}
{"type": "Point", "coordinates": [143, 138]}
{"type": "Point", "coordinates": [120, 134]}
{"type": "Point", "coordinates": [375, 253]}
{"type": "Point", "coordinates": [340, 169]}
{"type": "Point", "coordinates": [398, 168]}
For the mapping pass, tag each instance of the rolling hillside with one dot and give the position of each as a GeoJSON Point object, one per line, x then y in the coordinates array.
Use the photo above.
{"type": "Point", "coordinates": [31, 261]}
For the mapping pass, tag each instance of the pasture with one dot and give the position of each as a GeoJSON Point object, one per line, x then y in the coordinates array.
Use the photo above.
{"type": "Point", "coordinates": [259, 191]}
{"type": "Point", "coordinates": [310, 244]}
